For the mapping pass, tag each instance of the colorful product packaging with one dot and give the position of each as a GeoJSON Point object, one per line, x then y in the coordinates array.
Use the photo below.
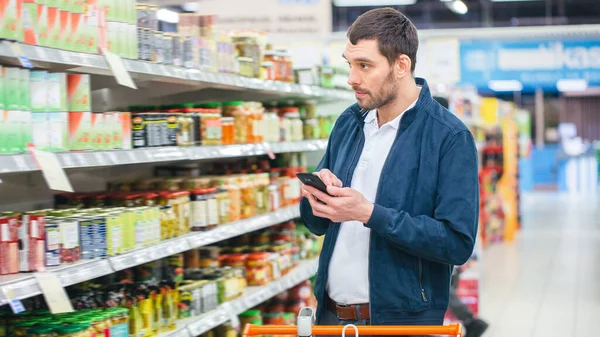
{"type": "Point", "coordinates": [78, 92]}
{"type": "Point", "coordinates": [10, 136]}
{"type": "Point", "coordinates": [77, 31]}
{"type": "Point", "coordinates": [11, 20]}
{"type": "Point", "coordinates": [38, 91]}
{"type": "Point", "coordinates": [125, 124]}
{"type": "Point", "coordinates": [114, 234]}
{"type": "Point", "coordinates": [53, 26]}
{"type": "Point", "coordinates": [65, 37]}
{"type": "Point", "coordinates": [52, 243]}
{"type": "Point", "coordinates": [12, 87]}
{"type": "Point", "coordinates": [70, 250]}
{"type": "Point", "coordinates": [31, 237]}
{"type": "Point", "coordinates": [40, 131]}
{"type": "Point", "coordinates": [30, 22]}
{"type": "Point", "coordinates": [57, 92]}
{"type": "Point", "coordinates": [58, 125]}
{"type": "Point", "coordinates": [86, 238]}
{"type": "Point", "coordinates": [9, 245]}
{"type": "Point", "coordinates": [90, 29]}
{"type": "Point", "coordinates": [97, 133]}
{"type": "Point", "coordinates": [80, 131]}
{"type": "Point", "coordinates": [43, 24]}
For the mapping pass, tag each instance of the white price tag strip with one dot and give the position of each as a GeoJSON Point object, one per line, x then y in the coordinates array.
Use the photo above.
{"type": "Point", "coordinates": [118, 68]}
{"type": "Point", "coordinates": [54, 293]}
{"type": "Point", "coordinates": [55, 175]}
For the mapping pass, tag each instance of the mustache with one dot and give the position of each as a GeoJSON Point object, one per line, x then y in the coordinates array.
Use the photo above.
{"type": "Point", "coordinates": [360, 90]}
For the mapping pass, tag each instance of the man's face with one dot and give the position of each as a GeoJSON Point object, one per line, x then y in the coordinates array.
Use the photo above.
{"type": "Point", "coordinates": [371, 75]}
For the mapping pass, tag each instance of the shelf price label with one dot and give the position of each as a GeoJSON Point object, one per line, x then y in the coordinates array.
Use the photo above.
{"type": "Point", "coordinates": [118, 68]}
{"type": "Point", "coordinates": [53, 173]}
{"type": "Point", "coordinates": [54, 293]}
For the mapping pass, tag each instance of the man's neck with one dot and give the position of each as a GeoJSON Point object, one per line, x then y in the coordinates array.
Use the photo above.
{"type": "Point", "coordinates": [407, 95]}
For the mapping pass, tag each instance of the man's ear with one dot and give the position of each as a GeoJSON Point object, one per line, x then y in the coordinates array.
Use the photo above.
{"type": "Point", "coordinates": [403, 65]}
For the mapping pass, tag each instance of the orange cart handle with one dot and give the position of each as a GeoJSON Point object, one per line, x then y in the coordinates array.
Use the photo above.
{"type": "Point", "coordinates": [373, 330]}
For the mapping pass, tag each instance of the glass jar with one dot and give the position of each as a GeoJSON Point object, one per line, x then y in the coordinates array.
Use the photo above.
{"type": "Point", "coordinates": [211, 129]}
{"type": "Point", "coordinates": [168, 222]}
{"type": "Point", "coordinates": [223, 206]}
{"type": "Point", "coordinates": [236, 260]}
{"type": "Point", "coordinates": [199, 210]}
{"type": "Point", "coordinates": [271, 127]}
{"type": "Point", "coordinates": [255, 128]}
{"type": "Point", "coordinates": [230, 184]}
{"type": "Point", "coordinates": [296, 127]}
{"type": "Point", "coordinates": [311, 129]}
{"type": "Point", "coordinates": [248, 196]}
{"type": "Point", "coordinates": [257, 265]}
{"type": "Point", "coordinates": [241, 120]}
{"type": "Point", "coordinates": [227, 124]}
{"type": "Point", "coordinates": [185, 131]}
{"type": "Point", "coordinates": [285, 129]}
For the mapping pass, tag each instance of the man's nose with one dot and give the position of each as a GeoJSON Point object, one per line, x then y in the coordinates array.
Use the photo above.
{"type": "Point", "coordinates": [353, 78]}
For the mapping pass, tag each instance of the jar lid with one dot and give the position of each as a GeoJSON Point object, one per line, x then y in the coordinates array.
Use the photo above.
{"type": "Point", "coordinates": [70, 329]}
{"type": "Point", "coordinates": [40, 330]}
{"type": "Point", "coordinates": [250, 313]}
{"type": "Point", "coordinates": [237, 257]}
{"type": "Point", "coordinates": [227, 119]}
{"type": "Point", "coordinates": [233, 103]}
{"type": "Point", "coordinates": [258, 256]}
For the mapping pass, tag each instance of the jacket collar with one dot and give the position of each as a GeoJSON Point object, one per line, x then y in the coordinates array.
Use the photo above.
{"type": "Point", "coordinates": [409, 116]}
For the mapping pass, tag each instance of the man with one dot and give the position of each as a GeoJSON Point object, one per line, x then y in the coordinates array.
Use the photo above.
{"type": "Point", "coordinates": [474, 325]}
{"type": "Point", "coordinates": [402, 172]}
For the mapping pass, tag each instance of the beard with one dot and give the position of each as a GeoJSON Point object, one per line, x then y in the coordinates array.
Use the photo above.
{"type": "Point", "coordinates": [387, 94]}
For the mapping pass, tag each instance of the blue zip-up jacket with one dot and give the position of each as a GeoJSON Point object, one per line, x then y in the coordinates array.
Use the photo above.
{"type": "Point", "coordinates": [425, 216]}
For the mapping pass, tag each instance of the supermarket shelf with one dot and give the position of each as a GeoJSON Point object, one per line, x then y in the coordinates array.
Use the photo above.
{"type": "Point", "coordinates": [21, 286]}
{"type": "Point", "coordinates": [95, 64]}
{"type": "Point", "coordinates": [70, 160]}
{"type": "Point", "coordinates": [252, 297]}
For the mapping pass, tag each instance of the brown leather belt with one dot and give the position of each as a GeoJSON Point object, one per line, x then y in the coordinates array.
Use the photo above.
{"type": "Point", "coordinates": [349, 312]}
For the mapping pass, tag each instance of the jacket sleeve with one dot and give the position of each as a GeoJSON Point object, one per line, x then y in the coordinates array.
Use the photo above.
{"type": "Point", "coordinates": [315, 224]}
{"type": "Point", "coordinates": [449, 236]}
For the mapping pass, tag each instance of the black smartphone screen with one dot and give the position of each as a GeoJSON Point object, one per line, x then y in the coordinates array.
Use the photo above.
{"type": "Point", "coordinates": [314, 181]}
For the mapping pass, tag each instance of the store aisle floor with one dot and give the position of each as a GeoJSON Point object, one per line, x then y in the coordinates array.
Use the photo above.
{"type": "Point", "coordinates": [546, 283]}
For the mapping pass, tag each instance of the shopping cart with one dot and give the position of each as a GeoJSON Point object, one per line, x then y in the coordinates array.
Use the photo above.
{"type": "Point", "coordinates": [305, 328]}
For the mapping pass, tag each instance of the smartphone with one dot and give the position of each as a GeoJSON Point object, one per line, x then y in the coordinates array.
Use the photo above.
{"type": "Point", "coordinates": [313, 181]}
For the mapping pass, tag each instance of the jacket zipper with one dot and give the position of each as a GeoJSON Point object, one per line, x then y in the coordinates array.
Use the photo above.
{"type": "Point", "coordinates": [421, 281]}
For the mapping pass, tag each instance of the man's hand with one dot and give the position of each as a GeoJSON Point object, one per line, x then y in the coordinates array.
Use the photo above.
{"type": "Point", "coordinates": [347, 204]}
{"type": "Point", "coordinates": [328, 178]}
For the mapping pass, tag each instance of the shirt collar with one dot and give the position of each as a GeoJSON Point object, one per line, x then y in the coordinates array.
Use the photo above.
{"type": "Point", "coordinates": [394, 123]}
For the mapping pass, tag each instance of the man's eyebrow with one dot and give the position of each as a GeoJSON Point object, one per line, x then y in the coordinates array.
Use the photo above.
{"type": "Point", "coordinates": [360, 59]}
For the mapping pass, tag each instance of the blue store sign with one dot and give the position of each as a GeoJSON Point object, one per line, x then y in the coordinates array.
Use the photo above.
{"type": "Point", "coordinates": [533, 64]}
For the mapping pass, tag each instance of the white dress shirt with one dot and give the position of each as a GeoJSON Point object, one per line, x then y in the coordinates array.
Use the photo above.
{"type": "Point", "coordinates": [348, 280]}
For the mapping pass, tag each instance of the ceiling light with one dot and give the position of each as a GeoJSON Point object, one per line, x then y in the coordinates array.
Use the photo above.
{"type": "Point", "coordinates": [508, 85]}
{"type": "Point", "coordinates": [167, 15]}
{"type": "Point", "coordinates": [571, 85]}
{"type": "Point", "coordinates": [458, 7]}
{"type": "Point", "coordinates": [355, 3]}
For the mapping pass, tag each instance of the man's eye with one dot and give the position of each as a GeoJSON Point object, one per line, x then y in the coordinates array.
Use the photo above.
{"type": "Point", "coordinates": [364, 66]}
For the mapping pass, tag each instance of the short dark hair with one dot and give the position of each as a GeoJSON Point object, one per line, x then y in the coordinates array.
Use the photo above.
{"type": "Point", "coordinates": [394, 32]}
